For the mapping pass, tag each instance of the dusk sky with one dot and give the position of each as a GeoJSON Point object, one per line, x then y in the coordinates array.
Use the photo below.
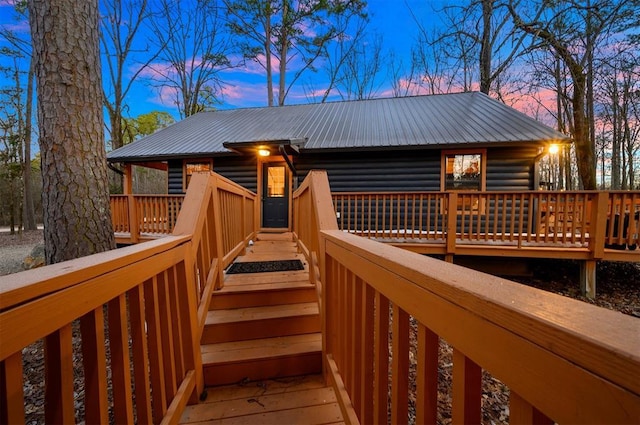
{"type": "Point", "coordinates": [246, 87]}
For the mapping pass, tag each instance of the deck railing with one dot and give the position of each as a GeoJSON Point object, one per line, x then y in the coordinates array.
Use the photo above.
{"type": "Point", "coordinates": [563, 360]}
{"type": "Point", "coordinates": [585, 220]}
{"type": "Point", "coordinates": [148, 301]}
{"type": "Point", "coordinates": [144, 214]}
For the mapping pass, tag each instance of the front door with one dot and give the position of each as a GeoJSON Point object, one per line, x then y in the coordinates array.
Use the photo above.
{"type": "Point", "coordinates": [275, 195]}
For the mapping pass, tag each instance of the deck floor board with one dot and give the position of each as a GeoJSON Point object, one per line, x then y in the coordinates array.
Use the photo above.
{"type": "Point", "coordinates": [299, 400]}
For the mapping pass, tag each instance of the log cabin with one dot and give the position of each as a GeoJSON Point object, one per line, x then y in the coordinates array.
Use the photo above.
{"type": "Point", "coordinates": [449, 142]}
{"type": "Point", "coordinates": [394, 165]}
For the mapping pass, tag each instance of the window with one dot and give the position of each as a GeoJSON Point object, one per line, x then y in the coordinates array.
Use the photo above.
{"type": "Point", "coordinates": [275, 182]}
{"type": "Point", "coordinates": [463, 171]}
{"type": "Point", "coordinates": [191, 167]}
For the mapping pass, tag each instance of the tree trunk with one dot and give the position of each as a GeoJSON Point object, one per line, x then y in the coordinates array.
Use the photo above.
{"type": "Point", "coordinates": [284, 46]}
{"type": "Point", "coordinates": [75, 194]}
{"type": "Point", "coordinates": [485, 48]}
{"type": "Point", "coordinates": [267, 53]}
{"type": "Point", "coordinates": [584, 148]}
{"type": "Point", "coordinates": [29, 213]}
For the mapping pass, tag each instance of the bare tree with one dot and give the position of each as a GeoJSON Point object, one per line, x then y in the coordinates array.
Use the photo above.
{"type": "Point", "coordinates": [477, 41]}
{"type": "Point", "coordinates": [11, 140]}
{"type": "Point", "coordinates": [337, 53]}
{"type": "Point", "coordinates": [193, 51]}
{"type": "Point", "coordinates": [358, 77]}
{"type": "Point", "coordinates": [619, 105]}
{"type": "Point", "coordinates": [584, 25]}
{"type": "Point", "coordinates": [23, 46]}
{"type": "Point", "coordinates": [122, 24]}
{"type": "Point", "coordinates": [291, 34]}
{"type": "Point", "coordinates": [77, 215]}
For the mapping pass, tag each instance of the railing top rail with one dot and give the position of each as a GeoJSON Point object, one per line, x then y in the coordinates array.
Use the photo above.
{"type": "Point", "coordinates": [484, 192]}
{"type": "Point", "coordinates": [147, 195]}
{"type": "Point", "coordinates": [233, 187]}
{"type": "Point", "coordinates": [85, 293]}
{"type": "Point", "coordinates": [579, 332]}
{"type": "Point", "coordinates": [16, 289]}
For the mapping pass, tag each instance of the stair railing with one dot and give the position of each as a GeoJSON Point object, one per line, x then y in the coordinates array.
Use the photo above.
{"type": "Point", "coordinates": [220, 215]}
{"type": "Point", "coordinates": [130, 314]}
{"type": "Point", "coordinates": [387, 312]}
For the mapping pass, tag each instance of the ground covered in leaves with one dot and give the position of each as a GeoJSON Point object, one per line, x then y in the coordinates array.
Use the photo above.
{"type": "Point", "coordinates": [618, 288]}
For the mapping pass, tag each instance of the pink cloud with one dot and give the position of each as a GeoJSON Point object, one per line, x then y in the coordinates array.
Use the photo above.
{"type": "Point", "coordinates": [19, 27]}
{"type": "Point", "coordinates": [242, 93]}
{"type": "Point", "coordinates": [4, 3]}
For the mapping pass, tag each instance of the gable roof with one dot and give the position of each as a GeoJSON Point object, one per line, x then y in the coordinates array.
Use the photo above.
{"type": "Point", "coordinates": [435, 121]}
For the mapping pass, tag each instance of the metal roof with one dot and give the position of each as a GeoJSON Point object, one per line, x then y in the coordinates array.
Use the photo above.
{"type": "Point", "coordinates": [446, 120]}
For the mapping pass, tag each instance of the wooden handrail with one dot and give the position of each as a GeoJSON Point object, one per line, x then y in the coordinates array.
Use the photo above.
{"type": "Point", "coordinates": [150, 299]}
{"type": "Point", "coordinates": [145, 289]}
{"type": "Point", "coordinates": [563, 360]}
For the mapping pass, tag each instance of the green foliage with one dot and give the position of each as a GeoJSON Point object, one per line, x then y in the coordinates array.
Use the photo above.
{"type": "Point", "coordinates": [146, 124]}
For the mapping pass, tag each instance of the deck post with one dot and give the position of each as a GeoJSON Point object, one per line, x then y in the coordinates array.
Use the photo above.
{"type": "Point", "coordinates": [127, 183]}
{"type": "Point", "coordinates": [134, 228]}
{"type": "Point", "coordinates": [588, 278]}
{"type": "Point", "coordinates": [452, 222]}
{"type": "Point", "coordinates": [597, 230]}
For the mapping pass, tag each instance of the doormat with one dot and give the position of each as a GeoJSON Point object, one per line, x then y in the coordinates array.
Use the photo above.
{"type": "Point", "coordinates": [265, 266]}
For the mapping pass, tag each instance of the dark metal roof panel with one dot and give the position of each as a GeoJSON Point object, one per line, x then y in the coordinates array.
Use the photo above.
{"type": "Point", "coordinates": [450, 119]}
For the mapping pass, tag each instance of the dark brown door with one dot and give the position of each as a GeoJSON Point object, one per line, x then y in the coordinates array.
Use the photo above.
{"type": "Point", "coordinates": [275, 195]}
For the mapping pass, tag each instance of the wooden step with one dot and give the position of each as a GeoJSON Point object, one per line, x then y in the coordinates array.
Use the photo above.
{"type": "Point", "coordinates": [231, 362]}
{"type": "Point", "coordinates": [260, 322]}
{"type": "Point", "coordinates": [250, 294]}
{"type": "Point", "coordinates": [303, 400]}
{"type": "Point", "coordinates": [265, 236]}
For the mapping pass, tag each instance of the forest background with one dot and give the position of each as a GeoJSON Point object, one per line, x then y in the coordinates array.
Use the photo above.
{"type": "Point", "coordinates": [573, 65]}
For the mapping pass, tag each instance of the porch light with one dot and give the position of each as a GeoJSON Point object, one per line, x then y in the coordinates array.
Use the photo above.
{"type": "Point", "coordinates": [553, 148]}
{"type": "Point", "coordinates": [264, 152]}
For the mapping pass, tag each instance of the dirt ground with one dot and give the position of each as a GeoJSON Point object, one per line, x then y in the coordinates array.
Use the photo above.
{"type": "Point", "coordinates": [15, 248]}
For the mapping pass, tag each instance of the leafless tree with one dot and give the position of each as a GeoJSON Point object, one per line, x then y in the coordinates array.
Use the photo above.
{"type": "Point", "coordinates": [358, 77]}
{"type": "Point", "coordinates": [291, 35]}
{"type": "Point", "coordinates": [23, 46]}
{"type": "Point", "coordinates": [122, 25]}
{"type": "Point", "coordinates": [77, 215]}
{"type": "Point", "coordinates": [193, 51]}
{"type": "Point", "coordinates": [619, 106]}
{"type": "Point", "coordinates": [573, 30]}
{"type": "Point", "coordinates": [478, 43]}
{"type": "Point", "coordinates": [351, 37]}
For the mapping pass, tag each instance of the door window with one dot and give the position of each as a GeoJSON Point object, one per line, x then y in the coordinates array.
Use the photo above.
{"type": "Point", "coordinates": [276, 182]}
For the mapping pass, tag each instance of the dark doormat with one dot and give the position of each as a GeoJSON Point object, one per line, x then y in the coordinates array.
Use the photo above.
{"type": "Point", "coordinates": [265, 266]}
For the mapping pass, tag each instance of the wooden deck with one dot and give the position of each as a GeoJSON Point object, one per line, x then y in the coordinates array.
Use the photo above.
{"type": "Point", "coordinates": [262, 347]}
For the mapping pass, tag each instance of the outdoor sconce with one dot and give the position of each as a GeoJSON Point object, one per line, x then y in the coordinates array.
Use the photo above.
{"type": "Point", "coordinates": [264, 152]}
{"type": "Point", "coordinates": [553, 149]}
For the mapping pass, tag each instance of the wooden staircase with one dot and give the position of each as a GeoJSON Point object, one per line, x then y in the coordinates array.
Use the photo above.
{"type": "Point", "coordinates": [263, 325]}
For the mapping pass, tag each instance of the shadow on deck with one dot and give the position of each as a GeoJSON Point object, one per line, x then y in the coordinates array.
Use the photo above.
{"type": "Point", "coordinates": [262, 346]}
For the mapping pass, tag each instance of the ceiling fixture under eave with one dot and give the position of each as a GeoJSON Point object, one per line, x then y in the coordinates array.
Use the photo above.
{"type": "Point", "coordinates": [264, 152]}
{"type": "Point", "coordinates": [553, 148]}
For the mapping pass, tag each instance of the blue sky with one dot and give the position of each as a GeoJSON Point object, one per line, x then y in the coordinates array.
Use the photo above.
{"type": "Point", "coordinates": [245, 88]}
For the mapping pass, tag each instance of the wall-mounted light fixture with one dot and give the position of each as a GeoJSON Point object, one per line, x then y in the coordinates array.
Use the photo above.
{"type": "Point", "coordinates": [553, 148]}
{"type": "Point", "coordinates": [264, 152]}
